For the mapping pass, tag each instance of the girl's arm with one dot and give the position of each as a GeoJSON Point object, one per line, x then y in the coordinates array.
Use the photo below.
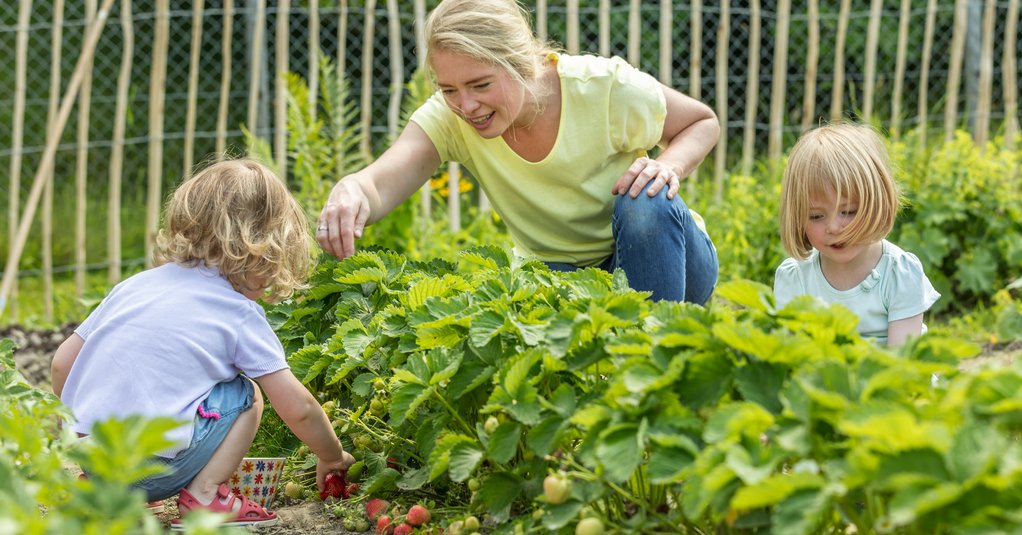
{"type": "Point", "coordinates": [898, 331]}
{"type": "Point", "coordinates": [690, 132]}
{"type": "Point", "coordinates": [366, 196]}
{"type": "Point", "coordinates": [303, 415]}
{"type": "Point", "coordinates": [63, 359]}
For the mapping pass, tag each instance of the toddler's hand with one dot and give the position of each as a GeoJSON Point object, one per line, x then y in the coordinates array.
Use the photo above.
{"type": "Point", "coordinates": [325, 467]}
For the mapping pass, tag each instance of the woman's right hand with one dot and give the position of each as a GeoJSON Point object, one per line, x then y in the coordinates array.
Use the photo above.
{"type": "Point", "coordinates": [343, 218]}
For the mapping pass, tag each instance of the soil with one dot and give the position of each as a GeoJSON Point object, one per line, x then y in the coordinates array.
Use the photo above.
{"type": "Point", "coordinates": [35, 351]}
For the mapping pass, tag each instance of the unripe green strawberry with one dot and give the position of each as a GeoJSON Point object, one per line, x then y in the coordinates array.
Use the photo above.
{"type": "Point", "coordinates": [556, 488]}
{"type": "Point", "coordinates": [380, 385]}
{"type": "Point", "coordinates": [471, 524]}
{"type": "Point", "coordinates": [293, 490]}
{"type": "Point", "coordinates": [589, 526]}
{"type": "Point", "coordinates": [377, 408]}
{"type": "Point", "coordinates": [491, 424]}
{"type": "Point", "coordinates": [473, 484]}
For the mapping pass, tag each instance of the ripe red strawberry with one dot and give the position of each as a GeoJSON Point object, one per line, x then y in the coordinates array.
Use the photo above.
{"type": "Point", "coordinates": [418, 515]}
{"type": "Point", "coordinates": [333, 486]}
{"type": "Point", "coordinates": [383, 525]}
{"type": "Point", "coordinates": [376, 507]}
{"type": "Point", "coordinates": [403, 529]}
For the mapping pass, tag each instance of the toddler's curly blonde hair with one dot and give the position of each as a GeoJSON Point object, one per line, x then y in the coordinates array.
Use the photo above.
{"type": "Point", "coordinates": [240, 218]}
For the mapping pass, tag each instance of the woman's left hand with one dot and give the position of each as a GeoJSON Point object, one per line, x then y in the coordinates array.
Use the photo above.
{"type": "Point", "coordinates": [642, 172]}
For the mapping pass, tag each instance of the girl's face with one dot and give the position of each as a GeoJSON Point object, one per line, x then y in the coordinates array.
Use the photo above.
{"type": "Point", "coordinates": [828, 216]}
{"type": "Point", "coordinates": [485, 96]}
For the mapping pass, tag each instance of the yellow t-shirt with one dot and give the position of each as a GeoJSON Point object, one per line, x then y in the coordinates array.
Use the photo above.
{"type": "Point", "coordinates": [559, 209]}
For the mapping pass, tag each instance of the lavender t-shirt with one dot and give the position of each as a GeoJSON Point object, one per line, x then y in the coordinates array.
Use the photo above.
{"type": "Point", "coordinates": [159, 343]}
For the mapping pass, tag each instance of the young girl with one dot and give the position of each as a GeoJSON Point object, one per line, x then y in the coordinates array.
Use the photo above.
{"type": "Point", "coordinates": [838, 203]}
{"type": "Point", "coordinates": [175, 340]}
{"type": "Point", "coordinates": [559, 144]}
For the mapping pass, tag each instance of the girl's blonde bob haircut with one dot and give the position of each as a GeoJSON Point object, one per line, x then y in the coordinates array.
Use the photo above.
{"type": "Point", "coordinates": [495, 32]}
{"type": "Point", "coordinates": [238, 217]}
{"type": "Point", "coordinates": [850, 161]}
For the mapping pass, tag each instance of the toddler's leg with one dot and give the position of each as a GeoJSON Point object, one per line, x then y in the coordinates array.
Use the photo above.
{"type": "Point", "coordinates": [231, 451]}
{"type": "Point", "coordinates": [662, 250]}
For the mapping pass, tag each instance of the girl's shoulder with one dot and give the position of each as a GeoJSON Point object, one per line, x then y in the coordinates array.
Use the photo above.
{"type": "Point", "coordinates": [900, 263]}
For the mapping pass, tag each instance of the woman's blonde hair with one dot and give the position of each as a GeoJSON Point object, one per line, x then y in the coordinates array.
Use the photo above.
{"type": "Point", "coordinates": [849, 160]}
{"type": "Point", "coordinates": [495, 32]}
{"type": "Point", "coordinates": [239, 217]}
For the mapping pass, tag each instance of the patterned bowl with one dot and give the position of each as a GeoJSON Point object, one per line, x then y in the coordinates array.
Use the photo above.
{"type": "Point", "coordinates": [257, 477]}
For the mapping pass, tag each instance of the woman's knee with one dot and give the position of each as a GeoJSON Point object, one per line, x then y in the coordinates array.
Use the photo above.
{"type": "Point", "coordinates": [646, 215]}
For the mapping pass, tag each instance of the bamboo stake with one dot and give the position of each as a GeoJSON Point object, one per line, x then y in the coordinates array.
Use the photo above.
{"type": "Point", "coordinates": [397, 69]}
{"type": "Point", "coordinates": [838, 91]}
{"type": "Point", "coordinates": [157, 94]}
{"type": "Point", "coordinates": [342, 39]}
{"type": "Point", "coordinates": [367, 79]}
{"type": "Point", "coordinates": [82, 164]}
{"type": "Point", "coordinates": [872, 38]}
{"type": "Point", "coordinates": [666, 51]}
{"type": "Point", "coordinates": [572, 33]}
{"type": "Point", "coordinates": [49, 151]}
{"type": "Point", "coordinates": [541, 12]}
{"type": "Point", "coordinates": [812, 62]}
{"type": "Point", "coordinates": [17, 133]}
{"type": "Point", "coordinates": [313, 56]}
{"type": "Point", "coordinates": [954, 77]}
{"type": "Point", "coordinates": [751, 88]}
{"type": "Point", "coordinates": [425, 192]}
{"type": "Point", "coordinates": [986, 77]}
{"type": "Point", "coordinates": [193, 86]}
{"type": "Point", "coordinates": [255, 66]}
{"type": "Point", "coordinates": [113, 221]}
{"type": "Point", "coordinates": [1009, 73]}
{"type": "Point", "coordinates": [720, 156]}
{"type": "Point", "coordinates": [899, 68]}
{"type": "Point", "coordinates": [778, 86]}
{"type": "Point", "coordinates": [634, 32]}
{"type": "Point", "coordinates": [695, 76]}
{"type": "Point", "coordinates": [282, 48]}
{"type": "Point", "coordinates": [924, 71]}
{"type": "Point", "coordinates": [453, 196]}
{"type": "Point", "coordinates": [56, 40]}
{"type": "Point", "coordinates": [603, 26]}
{"type": "Point", "coordinates": [226, 60]}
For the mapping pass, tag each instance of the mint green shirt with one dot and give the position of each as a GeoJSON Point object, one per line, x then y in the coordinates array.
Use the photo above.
{"type": "Point", "coordinates": [559, 209]}
{"type": "Point", "coordinates": [896, 289]}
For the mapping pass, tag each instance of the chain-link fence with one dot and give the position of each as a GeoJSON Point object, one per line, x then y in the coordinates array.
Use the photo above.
{"type": "Point", "coordinates": [341, 26]}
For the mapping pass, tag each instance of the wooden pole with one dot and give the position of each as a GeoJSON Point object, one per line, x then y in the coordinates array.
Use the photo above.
{"type": "Point", "coordinates": [838, 91]}
{"type": "Point", "coordinates": [572, 30]}
{"type": "Point", "coordinates": [603, 26]}
{"type": "Point", "coordinates": [778, 86]}
{"type": "Point", "coordinates": [56, 46]}
{"type": "Point", "coordinates": [342, 39]}
{"type": "Point", "coordinates": [923, 111]}
{"type": "Point", "coordinates": [157, 94]}
{"type": "Point", "coordinates": [1009, 73]}
{"type": "Point", "coordinates": [113, 215]}
{"type": "Point", "coordinates": [454, 196]}
{"type": "Point", "coordinates": [720, 155]}
{"type": "Point", "coordinates": [313, 56]}
{"type": "Point", "coordinates": [282, 48]}
{"type": "Point", "coordinates": [82, 164]}
{"type": "Point", "coordinates": [541, 25]}
{"type": "Point", "coordinates": [255, 66]}
{"type": "Point", "coordinates": [899, 68]}
{"type": "Point", "coordinates": [666, 50]}
{"type": "Point", "coordinates": [812, 62]}
{"type": "Point", "coordinates": [954, 77]}
{"type": "Point", "coordinates": [751, 88]}
{"type": "Point", "coordinates": [397, 68]}
{"type": "Point", "coordinates": [872, 39]}
{"type": "Point", "coordinates": [367, 79]}
{"type": "Point", "coordinates": [634, 32]}
{"type": "Point", "coordinates": [425, 192]}
{"type": "Point", "coordinates": [986, 77]}
{"type": "Point", "coordinates": [695, 73]}
{"type": "Point", "coordinates": [193, 86]}
{"type": "Point", "coordinates": [49, 151]}
{"type": "Point", "coordinates": [226, 59]}
{"type": "Point", "coordinates": [17, 134]}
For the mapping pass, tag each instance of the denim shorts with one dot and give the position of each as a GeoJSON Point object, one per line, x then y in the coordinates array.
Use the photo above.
{"type": "Point", "coordinates": [227, 400]}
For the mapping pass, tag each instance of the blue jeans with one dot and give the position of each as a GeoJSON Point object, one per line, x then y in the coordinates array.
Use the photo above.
{"type": "Point", "coordinates": [660, 248]}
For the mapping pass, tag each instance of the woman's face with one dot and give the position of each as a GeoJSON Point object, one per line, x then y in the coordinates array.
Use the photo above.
{"type": "Point", "coordinates": [485, 96]}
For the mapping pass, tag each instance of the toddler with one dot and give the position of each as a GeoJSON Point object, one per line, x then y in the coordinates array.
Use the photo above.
{"type": "Point", "coordinates": [838, 203]}
{"type": "Point", "coordinates": [188, 340]}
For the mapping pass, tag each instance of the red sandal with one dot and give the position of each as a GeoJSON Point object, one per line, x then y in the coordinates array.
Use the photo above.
{"type": "Point", "coordinates": [250, 514]}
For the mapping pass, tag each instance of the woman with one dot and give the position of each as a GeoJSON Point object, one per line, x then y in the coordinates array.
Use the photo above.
{"type": "Point", "coordinates": [558, 143]}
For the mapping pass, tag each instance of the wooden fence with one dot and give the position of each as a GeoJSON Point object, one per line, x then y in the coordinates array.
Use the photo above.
{"type": "Point", "coordinates": [639, 40]}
